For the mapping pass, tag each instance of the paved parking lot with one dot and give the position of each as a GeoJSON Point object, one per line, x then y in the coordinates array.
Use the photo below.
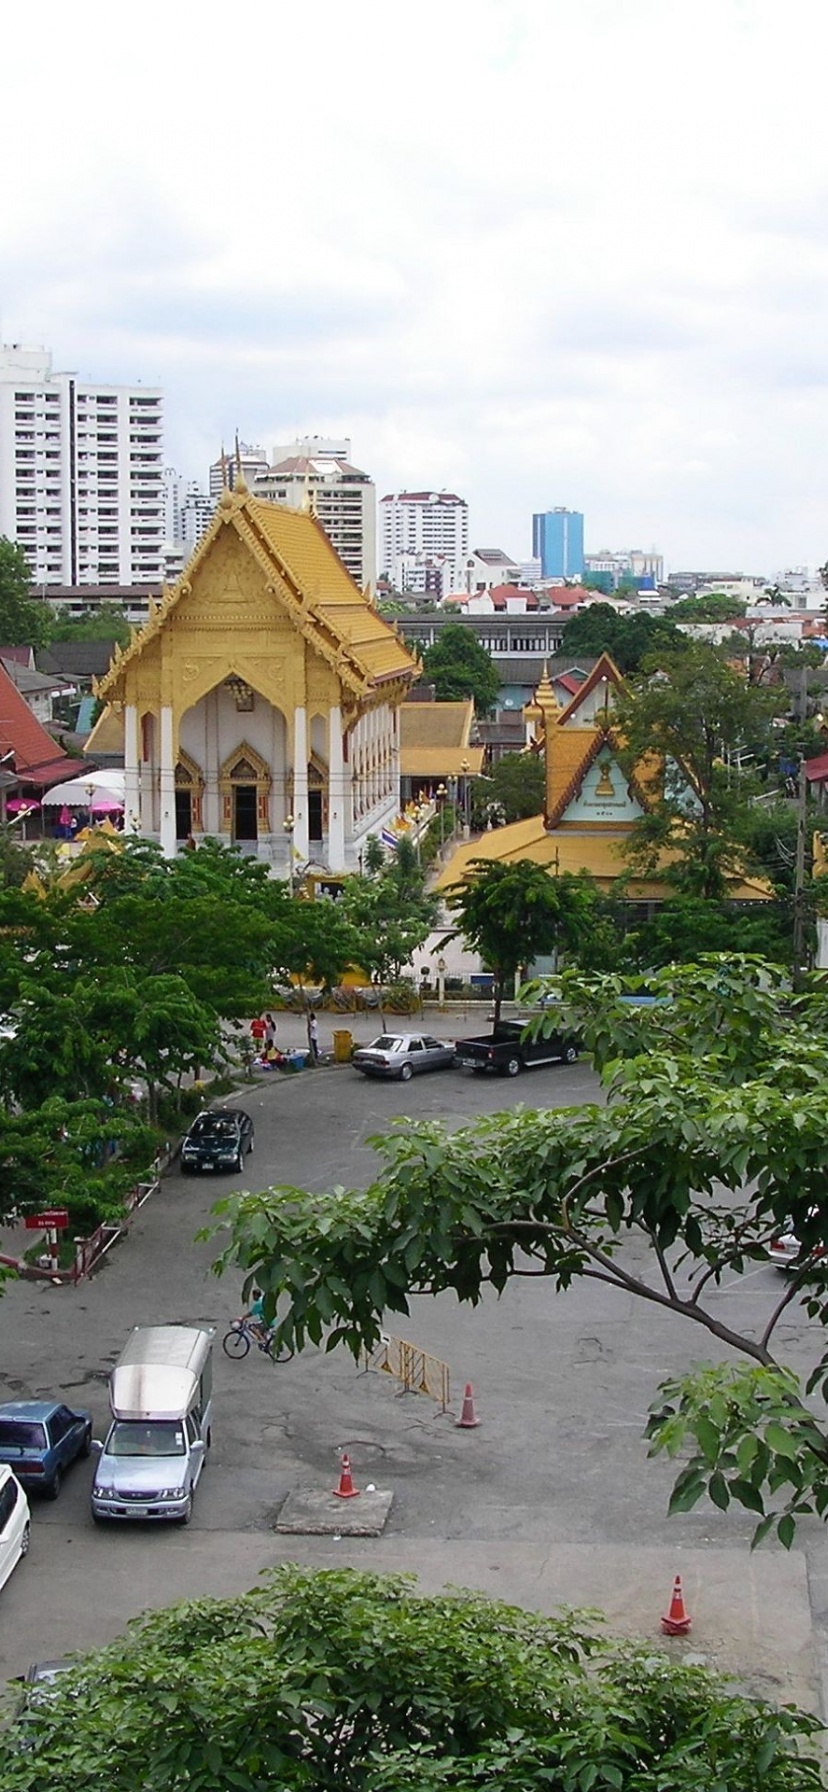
{"type": "Point", "coordinates": [548, 1499]}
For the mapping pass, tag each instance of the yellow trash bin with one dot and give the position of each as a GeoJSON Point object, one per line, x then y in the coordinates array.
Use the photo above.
{"type": "Point", "coordinates": [343, 1044]}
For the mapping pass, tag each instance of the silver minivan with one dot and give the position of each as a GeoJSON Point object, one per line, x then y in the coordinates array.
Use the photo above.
{"type": "Point", "coordinates": [160, 1392]}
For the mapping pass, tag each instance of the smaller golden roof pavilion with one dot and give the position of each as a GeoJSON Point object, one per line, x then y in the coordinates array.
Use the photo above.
{"type": "Point", "coordinates": [591, 803]}
{"type": "Point", "coordinates": [260, 701]}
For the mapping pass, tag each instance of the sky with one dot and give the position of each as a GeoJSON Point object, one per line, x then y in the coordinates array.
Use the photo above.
{"type": "Point", "coordinates": [537, 252]}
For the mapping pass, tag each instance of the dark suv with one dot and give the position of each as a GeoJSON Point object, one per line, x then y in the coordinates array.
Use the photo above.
{"type": "Point", "coordinates": [218, 1140]}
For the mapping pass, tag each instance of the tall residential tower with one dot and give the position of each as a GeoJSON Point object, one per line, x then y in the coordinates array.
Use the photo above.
{"type": "Point", "coordinates": [424, 541]}
{"type": "Point", "coordinates": [81, 474]}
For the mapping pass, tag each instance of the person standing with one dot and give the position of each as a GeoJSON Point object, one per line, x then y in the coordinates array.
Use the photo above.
{"type": "Point", "coordinates": [313, 1037]}
{"type": "Point", "coordinates": [270, 1032]}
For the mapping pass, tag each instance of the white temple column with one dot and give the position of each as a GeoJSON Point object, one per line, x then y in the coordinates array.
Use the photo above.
{"type": "Point", "coordinates": [132, 784]}
{"type": "Point", "coordinates": [301, 818]}
{"type": "Point", "coordinates": [166, 784]}
{"type": "Point", "coordinates": [337, 793]}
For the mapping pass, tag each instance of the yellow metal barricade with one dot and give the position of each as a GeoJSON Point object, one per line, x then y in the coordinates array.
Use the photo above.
{"type": "Point", "coordinates": [416, 1369]}
{"type": "Point", "coordinates": [343, 1044]}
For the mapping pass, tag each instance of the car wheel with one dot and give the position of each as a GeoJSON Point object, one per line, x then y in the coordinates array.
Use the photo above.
{"type": "Point", "coordinates": [25, 1541]}
{"type": "Point", "coordinates": [239, 1164]}
{"type": "Point", "coordinates": [86, 1446]}
{"type": "Point", "coordinates": [406, 1073]}
{"type": "Point", "coordinates": [188, 1509]}
{"type": "Point", "coordinates": [52, 1488]}
{"type": "Point", "coordinates": [512, 1067]}
{"type": "Point", "coordinates": [570, 1054]}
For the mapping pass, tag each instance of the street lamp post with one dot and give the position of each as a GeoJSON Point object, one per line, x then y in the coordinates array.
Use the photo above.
{"type": "Point", "coordinates": [441, 798]}
{"type": "Point", "coordinates": [465, 769]}
{"type": "Point", "coordinates": [289, 824]}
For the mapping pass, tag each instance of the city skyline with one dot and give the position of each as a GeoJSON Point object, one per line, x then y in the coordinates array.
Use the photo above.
{"type": "Point", "coordinates": [607, 291]}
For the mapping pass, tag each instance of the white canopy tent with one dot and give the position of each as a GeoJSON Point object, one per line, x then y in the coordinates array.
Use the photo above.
{"type": "Point", "coordinates": [92, 789]}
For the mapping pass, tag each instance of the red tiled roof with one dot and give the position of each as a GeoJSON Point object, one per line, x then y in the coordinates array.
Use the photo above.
{"type": "Point", "coordinates": [37, 759]}
{"type": "Point", "coordinates": [817, 769]}
{"type": "Point", "coordinates": [568, 595]}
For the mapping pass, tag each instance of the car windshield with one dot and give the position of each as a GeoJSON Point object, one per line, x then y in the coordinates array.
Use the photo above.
{"type": "Point", "coordinates": [21, 1434]}
{"type": "Point", "coordinates": [213, 1126]}
{"type": "Point", "coordinates": [387, 1042]}
{"type": "Point", "coordinates": [129, 1438]}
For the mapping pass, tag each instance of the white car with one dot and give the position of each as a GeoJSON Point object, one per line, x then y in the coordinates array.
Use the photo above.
{"type": "Point", "coordinates": [14, 1523]}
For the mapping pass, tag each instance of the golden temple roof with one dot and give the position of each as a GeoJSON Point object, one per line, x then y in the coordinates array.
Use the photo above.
{"type": "Point", "coordinates": [293, 551]}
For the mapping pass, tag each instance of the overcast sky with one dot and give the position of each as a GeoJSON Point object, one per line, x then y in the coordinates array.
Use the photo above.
{"type": "Point", "coordinates": [539, 252]}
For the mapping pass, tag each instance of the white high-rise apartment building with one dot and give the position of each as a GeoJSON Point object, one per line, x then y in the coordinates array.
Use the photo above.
{"type": "Point", "coordinates": [422, 532]}
{"type": "Point", "coordinates": [316, 471]}
{"type": "Point", "coordinates": [81, 474]}
{"type": "Point", "coordinates": [188, 511]}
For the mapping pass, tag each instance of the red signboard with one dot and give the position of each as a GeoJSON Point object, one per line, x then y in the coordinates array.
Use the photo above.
{"type": "Point", "coordinates": [53, 1219]}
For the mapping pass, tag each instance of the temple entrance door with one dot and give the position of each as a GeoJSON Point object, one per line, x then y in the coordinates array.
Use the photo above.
{"type": "Point", "coordinates": [244, 812]}
{"type": "Point", "coordinates": [183, 814]}
{"type": "Point", "coordinates": [315, 815]}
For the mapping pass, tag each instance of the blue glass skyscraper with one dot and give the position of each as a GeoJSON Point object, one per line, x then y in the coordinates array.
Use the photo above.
{"type": "Point", "coordinates": [558, 543]}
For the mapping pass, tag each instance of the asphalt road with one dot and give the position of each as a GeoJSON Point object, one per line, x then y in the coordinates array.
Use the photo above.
{"type": "Point", "coordinates": [550, 1498]}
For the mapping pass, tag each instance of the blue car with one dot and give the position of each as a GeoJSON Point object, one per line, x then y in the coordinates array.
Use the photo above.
{"type": "Point", "coordinates": [39, 1439]}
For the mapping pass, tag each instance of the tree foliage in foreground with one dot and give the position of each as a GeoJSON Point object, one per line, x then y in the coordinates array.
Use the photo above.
{"type": "Point", "coordinates": [352, 1682]}
{"type": "Point", "coordinates": [711, 1141]}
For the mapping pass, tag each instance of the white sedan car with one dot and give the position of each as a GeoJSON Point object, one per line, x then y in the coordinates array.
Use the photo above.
{"type": "Point", "coordinates": [14, 1523]}
{"type": "Point", "coordinates": [402, 1055]}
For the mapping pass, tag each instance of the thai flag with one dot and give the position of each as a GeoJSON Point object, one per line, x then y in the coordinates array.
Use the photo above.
{"type": "Point", "coordinates": [388, 839]}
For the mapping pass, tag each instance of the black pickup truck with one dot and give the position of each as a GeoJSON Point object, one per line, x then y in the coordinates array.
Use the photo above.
{"type": "Point", "coordinates": [506, 1051]}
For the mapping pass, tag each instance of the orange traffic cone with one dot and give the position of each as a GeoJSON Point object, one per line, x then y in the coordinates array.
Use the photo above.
{"type": "Point", "coordinates": [677, 1620]}
{"type": "Point", "coordinates": [346, 1489]}
{"type": "Point", "coordinates": [468, 1418]}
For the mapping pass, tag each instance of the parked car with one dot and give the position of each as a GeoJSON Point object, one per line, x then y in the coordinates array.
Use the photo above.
{"type": "Point", "coordinates": [403, 1054]}
{"type": "Point", "coordinates": [14, 1523]}
{"type": "Point", "coordinates": [40, 1439]}
{"type": "Point", "coordinates": [218, 1140]}
{"type": "Point", "coordinates": [784, 1249]}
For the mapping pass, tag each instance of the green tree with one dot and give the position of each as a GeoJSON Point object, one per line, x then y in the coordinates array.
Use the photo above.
{"type": "Point", "coordinates": [458, 666]}
{"type": "Point", "coordinates": [514, 789]}
{"type": "Point", "coordinates": [355, 1683]}
{"type": "Point", "coordinates": [711, 1141]}
{"type": "Point", "coordinates": [391, 912]}
{"type": "Point", "coordinates": [17, 858]}
{"type": "Point", "coordinates": [83, 1155]}
{"type": "Point", "coordinates": [600, 628]}
{"type": "Point", "coordinates": [87, 1040]}
{"type": "Point", "coordinates": [684, 721]}
{"type": "Point", "coordinates": [106, 623]}
{"type": "Point", "coordinates": [24, 621]}
{"type": "Point", "coordinates": [513, 913]}
{"type": "Point", "coordinates": [714, 606]}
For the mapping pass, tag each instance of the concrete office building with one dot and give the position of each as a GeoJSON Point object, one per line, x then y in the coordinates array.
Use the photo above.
{"type": "Point", "coordinates": [558, 542]}
{"type": "Point", "coordinates": [81, 474]}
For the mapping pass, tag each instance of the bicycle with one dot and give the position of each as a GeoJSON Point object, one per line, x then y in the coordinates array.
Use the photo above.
{"type": "Point", "coordinates": [244, 1332]}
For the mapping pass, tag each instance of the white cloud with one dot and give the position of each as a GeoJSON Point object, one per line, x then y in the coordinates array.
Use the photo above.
{"type": "Point", "coordinates": [542, 251]}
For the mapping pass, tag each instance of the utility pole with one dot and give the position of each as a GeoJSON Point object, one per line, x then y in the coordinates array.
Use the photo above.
{"type": "Point", "coordinates": [799, 874]}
